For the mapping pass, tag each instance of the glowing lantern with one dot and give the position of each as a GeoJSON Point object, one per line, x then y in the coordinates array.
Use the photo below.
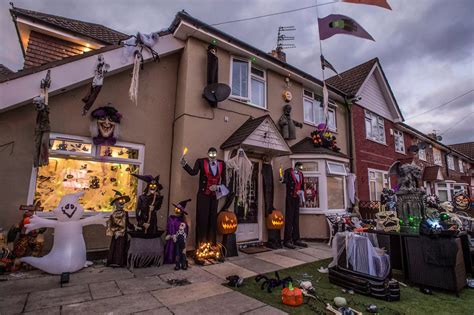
{"type": "Point", "coordinates": [292, 296]}
{"type": "Point", "coordinates": [226, 222]}
{"type": "Point", "coordinates": [275, 220]}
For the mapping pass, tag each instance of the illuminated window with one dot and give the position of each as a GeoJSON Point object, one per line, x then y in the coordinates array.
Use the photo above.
{"type": "Point", "coordinates": [75, 164]}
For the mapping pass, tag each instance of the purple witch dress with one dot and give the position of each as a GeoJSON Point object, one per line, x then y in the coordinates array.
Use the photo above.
{"type": "Point", "coordinates": [172, 226]}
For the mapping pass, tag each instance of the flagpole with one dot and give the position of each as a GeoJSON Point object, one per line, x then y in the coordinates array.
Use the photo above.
{"type": "Point", "coordinates": [322, 70]}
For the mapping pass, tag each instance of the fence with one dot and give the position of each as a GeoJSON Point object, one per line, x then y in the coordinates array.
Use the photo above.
{"type": "Point", "coordinates": [368, 209]}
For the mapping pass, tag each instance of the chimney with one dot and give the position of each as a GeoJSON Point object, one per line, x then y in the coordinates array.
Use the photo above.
{"type": "Point", "coordinates": [279, 54]}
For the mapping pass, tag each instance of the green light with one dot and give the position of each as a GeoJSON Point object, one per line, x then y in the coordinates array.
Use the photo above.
{"type": "Point", "coordinates": [214, 41]}
{"type": "Point", "coordinates": [411, 219]}
{"type": "Point", "coordinates": [253, 58]}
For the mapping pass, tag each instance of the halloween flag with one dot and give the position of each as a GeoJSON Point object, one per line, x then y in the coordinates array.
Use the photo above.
{"type": "Point", "coordinates": [340, 24]}
{"type": "Point", "coordinates": [326, 64]}
{"type": "Point", "coordinates": [379, 3]}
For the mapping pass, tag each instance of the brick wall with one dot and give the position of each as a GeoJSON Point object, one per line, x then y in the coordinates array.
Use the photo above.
{"type": "Point", "coordinates": [43, 49]}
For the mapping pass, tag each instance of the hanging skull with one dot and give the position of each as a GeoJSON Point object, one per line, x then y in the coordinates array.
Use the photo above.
{"type": "Point", "coordinates": [105, 125]}
{"type": "Point", "coordinates": [387, 221]}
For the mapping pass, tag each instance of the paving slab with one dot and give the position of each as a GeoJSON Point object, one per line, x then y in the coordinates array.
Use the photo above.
{"type": "Point", "coordinates": [101, 290]}
{"type": "Point", "coordinates": [191, 292]}
{"type": "Point", "coordinates": [227, 303]}
{"type": "Point", "coordinates": [321, 246]}
{"type": "Point", "coordinates": [283, 261]}
{"type": "Point", "coordinates": [137, 285]}
{"type": "Point", "coordinates": [193, 274]}
{"type": "Point", "coordinates": [317, 253]}
{"type": "Point", "coordinates": [19, 286]}
{"type": "Point", "coordinates": [153, 271]}
{"type": "Point", "coordinates": [298, 256]}
{"type": "Point", "coordinates": [12, 304]}
{"type": "Point", "coordinates": [227, 269]}
{"type": "Point", "coordinates": [59, 296]}
{"type": "Point", "coordinates": [92, 275]}
{"type": "Point", "coordinates": [157, 311]}
{"type": "Point", "coordinates": [265, 310]}
{"type": "Point", "coordinates": [257, 265]}
{"type": "Point", "coordinates": [55, 310]}
{"type": "Point", "coordinates": [124, 304]}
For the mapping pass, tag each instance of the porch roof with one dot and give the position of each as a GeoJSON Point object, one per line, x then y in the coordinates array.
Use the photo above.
{"type": "Point", "coordinates": [306, 146]}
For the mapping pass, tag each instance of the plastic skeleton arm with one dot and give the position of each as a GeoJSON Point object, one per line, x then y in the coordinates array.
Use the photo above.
{"type": "Point", "coordinates": [38, 223]}
{"type": "Point", "coordinates": [96, 219]}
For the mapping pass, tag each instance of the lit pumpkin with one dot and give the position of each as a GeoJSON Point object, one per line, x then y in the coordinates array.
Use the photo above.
{"type": "Point", "coordinates": [226, 222]}
{"type": "Point", "coordinates": [275, 220]}
{"type": "Point", "coordinates": [291, 296]}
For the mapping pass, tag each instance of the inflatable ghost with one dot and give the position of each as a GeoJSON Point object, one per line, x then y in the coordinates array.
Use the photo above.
{"type": "Point", "coordinates": [69, 249]}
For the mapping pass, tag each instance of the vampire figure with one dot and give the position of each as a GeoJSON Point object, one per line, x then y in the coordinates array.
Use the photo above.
{"type": "Point", "coordinates": [172, 227]}
{"type": "Point", "coordinates": [148, 204]}
{"type": "Point", "coordinates": [294, 180]}
{"type": "Point", "coordinates": [105, 125]}
{"type": "Point", "coordinates": [287, 124]}
{"type": "Point", "coordinates": [116, 227]}
{"type": "Point", "coordinates": [211, 179]}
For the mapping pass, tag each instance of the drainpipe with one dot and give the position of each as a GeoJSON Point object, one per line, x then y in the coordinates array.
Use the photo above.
{"type": "Point", "coordinates": [349, 118]}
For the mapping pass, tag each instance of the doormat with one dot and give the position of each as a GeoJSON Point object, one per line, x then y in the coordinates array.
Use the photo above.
{"type": "Point", "coordinates": [254, 250]}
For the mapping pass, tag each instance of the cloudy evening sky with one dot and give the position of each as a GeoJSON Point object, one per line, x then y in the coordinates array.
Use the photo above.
{"type": "Point", "coordinates": [426, 47]}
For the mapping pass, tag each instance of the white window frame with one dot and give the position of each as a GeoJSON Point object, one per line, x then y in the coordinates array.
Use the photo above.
{"type": "Point", "coordinates": [437, 157]}
{"type": "Point", "coordinates": [422, 156]}
{"type": "Point", "coordinates": [251, 76]}
{"type": "Point", "coordinates": [461, 166]}
{"type": "Point", "coordinates": [450, 161]}
{"type": "Point", "coordinates": [399, 141]}
{"type": "Point", "coordinates": [384, 174]}
{"type": "Point", "coordinates": [314, 99]}
{"type": "Point", "coordinates": [331, 171]}
{"type": "Point", "coordinates": [94, 156]}
{"type": "Point", "coordinates": [369, 118]}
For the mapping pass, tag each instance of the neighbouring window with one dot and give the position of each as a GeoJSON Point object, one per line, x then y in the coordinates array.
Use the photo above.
{"type": "Point", "coordinates": [378, 180]}
{"type": "Point", "coordinates": [336, 192]}
{"type": "Point", "coordinates": [422, 154]}
{"type": "Point", "coordinates": [374, 127]}
{"type": "Point", "coordinates": [442, 192]}
{"type": "Point", "coordinates": [450, 162]}
{"type": "Point", "coordinates": [314, 113]}
{"type": "Point", "coordinates": [461, 166]}
{"type": "Point", "coordinates": [399, 141]}
{"type": "Point", "coordinates": [437, 157]}
{"type": "Point", "coordinates": [248, 83]}
{"type": "Point", "coordinates": [75, 164]}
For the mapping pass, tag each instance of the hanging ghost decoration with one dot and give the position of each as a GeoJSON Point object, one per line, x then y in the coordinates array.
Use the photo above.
{"type": "Point", "coordinates": [105, 125]}
{"type": "Point", "coordinates": [69, 249]}
{"type": "Point", "coordinates": [100, 70]}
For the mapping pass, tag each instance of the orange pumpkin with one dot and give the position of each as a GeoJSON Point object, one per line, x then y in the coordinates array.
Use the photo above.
{"type": "Point", "coordinates": [275, 220]}
{"type": "Point", "coordinates": [292, 296]}
{"type": "Point", "coordinates": [226, 222]}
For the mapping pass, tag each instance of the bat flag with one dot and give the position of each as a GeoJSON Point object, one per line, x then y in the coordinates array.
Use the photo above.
{"type": "Point", "coordinates": [326, 64]}
{"type": "Point", "coordinates": [379, 3]}
{"type": "Point", "coordinates": [340, 24]}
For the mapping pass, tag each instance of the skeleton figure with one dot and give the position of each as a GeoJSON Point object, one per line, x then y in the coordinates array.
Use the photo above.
{"type": "Point", "coordinates": [408, 176]}
{"type": "Point", "coordinates": [287, 124]}
{"type": "Point", "coordinates": [387, 221]}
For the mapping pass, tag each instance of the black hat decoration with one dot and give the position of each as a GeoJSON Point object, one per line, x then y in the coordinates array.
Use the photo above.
{"type": "Point", "coordinates": [182, 205]}
{"type": "Point", "coordinates": [119, 195]}
{"type": "Point", "coordinates": [149, 179]}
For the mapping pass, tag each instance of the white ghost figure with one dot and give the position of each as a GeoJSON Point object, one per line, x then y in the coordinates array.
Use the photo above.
{"type": "Point", "coordinates": [69, 249]}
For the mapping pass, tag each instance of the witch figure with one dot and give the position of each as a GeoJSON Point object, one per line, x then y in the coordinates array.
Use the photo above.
{"type": "Point", "coordinates": [148, 204]}
{"type": "Point", "coordinates": [172, 226]}
{"type": "Point", "coordinates": [116, 227]}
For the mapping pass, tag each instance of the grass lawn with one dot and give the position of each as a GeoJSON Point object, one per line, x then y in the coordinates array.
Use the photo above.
{"type": "Point", "coordinates": [412, 300]}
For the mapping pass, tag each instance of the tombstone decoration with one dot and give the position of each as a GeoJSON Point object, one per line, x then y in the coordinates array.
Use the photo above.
{"type": "Point", "coordinates": [287, 124]}
{"type": "Point", "coordinates": [105, 123]}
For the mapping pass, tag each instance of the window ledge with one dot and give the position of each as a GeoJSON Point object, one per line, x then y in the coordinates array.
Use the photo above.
{"type": "Point", "coordinates": [382, 143]}
{"type": "Point", "coordinates": [247, 103]}
{"type": "Point", "coordinates": [315, 125]}
{"type": "Point", "coordinates": [400, 152]}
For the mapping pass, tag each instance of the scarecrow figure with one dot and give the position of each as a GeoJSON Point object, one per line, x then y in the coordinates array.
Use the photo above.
{"type": "Point", "coordinates": [287, 124]}
{"type": "Point", "coordinates": [148, 204]}
{"type": "Point", "coordinates": [116, 227]}
{"type": "Point", "coordinates": [294, 180]}
{"type": "Point", "coordinates": [43, 127]}
{"type": "Point", "coordinates": [172, 227]}
{"type": "Point", "coordinates": [212, 177]}
{"type": "Point", "coordinates": [105, 125]}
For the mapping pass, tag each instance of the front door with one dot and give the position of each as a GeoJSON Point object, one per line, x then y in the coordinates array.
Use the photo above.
{"type": "Point", "coordinates": [248, 212]}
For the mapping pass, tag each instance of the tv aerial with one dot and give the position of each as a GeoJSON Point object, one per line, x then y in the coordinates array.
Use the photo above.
{"type": "Point", "coordinates": [283, 40]}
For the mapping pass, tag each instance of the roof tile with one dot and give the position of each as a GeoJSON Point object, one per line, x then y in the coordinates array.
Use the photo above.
{"type": "Point", "coordinates": [351, 80]}
{"type": "Point", "coordinates": [466, 148]}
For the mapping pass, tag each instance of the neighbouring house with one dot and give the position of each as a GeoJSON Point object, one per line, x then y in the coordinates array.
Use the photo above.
{"type": "Point", "coordinates": [380, 138]}
{"type": "Point", "coordinates": [466, 148]}
{"type": "Point", "coordinates": [171, 114]}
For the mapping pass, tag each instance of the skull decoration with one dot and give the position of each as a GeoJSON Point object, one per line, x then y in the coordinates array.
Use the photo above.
{"type": "Point", "coordinates": [275, 220]}
{"type": "Point", "coordinates": [387, 221]}
{"type": "Point", "coordinates": [461, 201]}
{"type": "Point", "coordinates": [226, 222]}
{"type": "Point", "coordinates": [105, 125]}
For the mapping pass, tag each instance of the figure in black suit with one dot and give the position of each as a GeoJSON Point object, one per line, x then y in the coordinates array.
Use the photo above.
{"type": "Point", "coordinates": [211, 174]}
{"type": "Point", "coordinates": [294, 180]}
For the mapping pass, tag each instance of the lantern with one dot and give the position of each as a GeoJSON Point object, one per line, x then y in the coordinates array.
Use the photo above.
{"type": "Point", "coordinates": [226, 222]}
{"type": "Point", "coordinates": [292, 296]}
{"type": "Point", "coordinates": [275, 220]}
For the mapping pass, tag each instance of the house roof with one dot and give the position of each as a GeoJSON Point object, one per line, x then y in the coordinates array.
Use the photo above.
{"type": "Point", "coordinates": [306, 146]}
{"type": "Point", "coordinates": [243, 132]}
{"type": "Point", "coordinates": [92, 30]}
{"type": "Point", "coordinates": [466, 148]}
{"type": "Point", "coordinates": [4, 71]}
{"type": "Point", "coordinates": [430, 173]}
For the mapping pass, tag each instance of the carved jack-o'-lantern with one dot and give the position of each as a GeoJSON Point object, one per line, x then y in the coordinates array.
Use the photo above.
{"type": "Point", "coordinates": [275, 220]}
{"type": "Point", "coordinates": [226, 222]}
{"type": "Point", "coordinates": [292, 296]}
{"type": "Point", "coordinates": [461, 201]}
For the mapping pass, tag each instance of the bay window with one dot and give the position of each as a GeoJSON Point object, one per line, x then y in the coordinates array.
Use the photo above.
{"type": "Point", "coordinates": [248, 83]}
{"type": "Point", "coordinates": [374, 127]}
{"type": "Point", "coordinates": [76, 164]}
{"type": "Point", "coordinates": [314, 112]}
{"type": "Point", "coordinates": [399, 141]}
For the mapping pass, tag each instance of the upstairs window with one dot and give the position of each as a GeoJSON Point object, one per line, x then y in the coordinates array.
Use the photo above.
{"type": "Point", "coordinates": [399, 142]}
{"type": "Point", "coordinates": [461, 166]}
{"type": "Point", "coordinates": [374, 127]}
{"type": "Point", "coordinates": [248, 83]}
{"type": "Point", "coordinates": [450, 162]}
{"type": "Point", "coordinates": [314, 113]}
{"type": "Point", "coordinates": [422, 154]}
{"type": "Point", "coordinates": [437, 157]}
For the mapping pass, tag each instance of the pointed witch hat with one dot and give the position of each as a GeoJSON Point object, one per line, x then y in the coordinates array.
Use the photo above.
{"type": "Point", "coordinates": [149, 179]}
{"type": "Point", "coordinates": [182, 205]}
{"type": "Point", "coordinates": [119, 195]}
